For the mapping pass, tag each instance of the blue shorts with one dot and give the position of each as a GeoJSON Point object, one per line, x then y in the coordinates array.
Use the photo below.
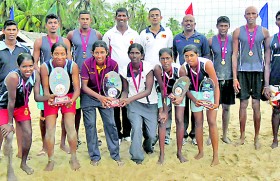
{"type": "Point", "coordinates": [168, 102]}
{"type": "Point", "coordinates": [199, 96]}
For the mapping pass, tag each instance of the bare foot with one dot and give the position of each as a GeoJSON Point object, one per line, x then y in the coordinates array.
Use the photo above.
{"type": "Point", "coordinates": [74, 163]}
{"type": "Point", "coordinates": [240, 142]}
{"type": "Point", "coordinates": [208, 142]}
{"type": "Point", "coordinates": [65, 148]}
{"type": "Point", "coordinates": [226, 140]}
{"type": "Point", "coordinates": [94, 162]}
{"type": "Point", "coordinates": [120, 163]}
{"type": "Point", "coordinates": [27, 169]}
{"type": "Point", "coordinates": [42, 153]}
{"type": "Point", "coordinates": [181, 158]}
{"type": "Point", "coordinates": [257, 144]}
{"type": "Point", "coordinates": [49, 166]}
{"type": "Point", "coordinates": [160, 159]}
{"type": "Point", "coordinates": [274, 144]}
{"type": "Point", "coordinates": [199, 155]}
{"type": "Point", "coordinates": [215, 162]}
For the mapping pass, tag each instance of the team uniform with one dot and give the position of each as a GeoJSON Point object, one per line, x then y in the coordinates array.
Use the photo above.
{"type": "Point", "coordinates": [53, 110]}
{"type": "Point", "coordinates": [250, 68]}
{"type": "Point", "coordinates": [224, 70]}
{"type": "Point", "coordinates": [201, 74]}
{"type": "Point", "coordinates": [21, 110]}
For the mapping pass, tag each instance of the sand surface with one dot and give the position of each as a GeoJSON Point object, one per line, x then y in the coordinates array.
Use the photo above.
{"type": "Point", "coordinates": [236, 163]}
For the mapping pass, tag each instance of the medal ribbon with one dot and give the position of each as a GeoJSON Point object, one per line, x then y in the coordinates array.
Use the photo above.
{"type": "Point", "coordinates": [25, 93]}
{"type": "Point", "coordinates": [251, 41]}
{"type": "Point", "coordinates": [165, 85]}
{"type": "Point", "coordinates": [133, 78]}
{"type": "Point", "coordinates": [84, 44]}
{"type": "Point", "coordinates": [223, 48]}
{"type": "Point", "coordinates": [195, 83]}
{"type": "Point", "coordinates": [50, 41]}
{"type": "Point", "coordinates": [96, 76]}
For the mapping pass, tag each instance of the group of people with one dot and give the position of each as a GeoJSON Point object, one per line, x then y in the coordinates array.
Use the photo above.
{"type": "Point", "coordinates": [146, 64]}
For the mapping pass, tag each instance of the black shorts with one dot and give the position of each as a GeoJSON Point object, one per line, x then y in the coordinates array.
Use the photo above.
{"type": "Point", "coordinates": [227, 95]}
{"type": "Point", "coordinates": [251, 85]}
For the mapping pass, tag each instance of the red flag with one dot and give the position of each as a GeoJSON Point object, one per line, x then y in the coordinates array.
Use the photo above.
{"type": "Point", "coordinates": [189, 10]}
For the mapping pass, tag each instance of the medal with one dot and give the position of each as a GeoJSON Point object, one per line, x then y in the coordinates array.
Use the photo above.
{"type": "Point", "coordinates": [134, 78]}
{"type": "Point", "coordinates": [251, 41]}
{"type": "Point", "coordinates": [26, 112]}
{"type": "Point", "coordinates": [251, 53]}
{"type": "Point", "coordinates": [85, 43]}
{"type": "Point", "coordinates": [84, 55]}
{"type": "Point", "coordinates": [223, 48]}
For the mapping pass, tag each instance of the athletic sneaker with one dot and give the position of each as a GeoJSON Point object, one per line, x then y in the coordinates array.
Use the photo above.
{"type": "Point", "coordinates": [127, 138]}
{"type": "Point", "coordinates": [167, 141]}
{"type": "Point", "coordinates": [194, 141]}
{"type": "Point", "coordinates": [184, 141]}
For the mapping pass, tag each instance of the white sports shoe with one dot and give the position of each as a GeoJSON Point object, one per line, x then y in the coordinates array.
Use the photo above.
{"type": "Point", "coordinates": [127, 138]}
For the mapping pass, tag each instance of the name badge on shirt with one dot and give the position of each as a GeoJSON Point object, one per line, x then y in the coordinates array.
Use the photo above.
{"type": "Point", "coordinates": [196, 41]}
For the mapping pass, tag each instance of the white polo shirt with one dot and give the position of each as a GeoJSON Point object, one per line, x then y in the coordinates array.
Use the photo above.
{"type": "Point", "coordinates": [118, 44]}
{"type": "Point", "coordinates": [153, 43]}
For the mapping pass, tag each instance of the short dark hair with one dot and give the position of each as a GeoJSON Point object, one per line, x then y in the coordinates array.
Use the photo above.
{"type": "Point", "coordinates": [10, 23]}
{"type": "Point", "coordinates": [100, 43]}
{"type": "Point", "coordinates": [165, 50]}
{"type": "Point", "coordinates": [138, 46]}
{"type": "Point", "coordinates": [190, 48]}
{"type": "Point", "coordinates": [223, 19]}
{"type": "Point", "coordinates": [51, 16]}
{"type": "Point", "coordinates": [155, 9]}
{"type": "Point", "coordinates": [24, 56]}
{"type": "Point", "coordinates": [121, 10]}
{"type": "Point", "coordinates": [59, 44]}
{"type": "Point", "coordinates": [277, 14]}
{"type": "Point", "coordinates": [84, 12]}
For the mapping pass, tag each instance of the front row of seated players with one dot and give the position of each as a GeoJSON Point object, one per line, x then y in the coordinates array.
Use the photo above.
{"type": "Point", "coordinates": [139, 95]}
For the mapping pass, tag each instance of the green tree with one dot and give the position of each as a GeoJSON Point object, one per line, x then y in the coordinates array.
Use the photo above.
{"type": "Point", "coordinates": [5, 6]}
{"type": "Point", "coordinates": [174, 26]}
{"type": "Point", "coordinates": [210, 34]}
{"type": "Point", "coordinates": [28, 14]}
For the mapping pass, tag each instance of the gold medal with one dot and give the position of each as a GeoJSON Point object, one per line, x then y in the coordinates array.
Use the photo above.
{"type": "Point", "coordinates": [251, 53]}
{"type": "Point", "coordinates": [223, 62]}
{"type": "Point", "coordinates": [84, 55]}
{"type": "Point", "coordinates": [26, 112]}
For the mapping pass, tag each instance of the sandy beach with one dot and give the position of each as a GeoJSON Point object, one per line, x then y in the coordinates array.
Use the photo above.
{"type": "Point", "coordinates": [236, 163]}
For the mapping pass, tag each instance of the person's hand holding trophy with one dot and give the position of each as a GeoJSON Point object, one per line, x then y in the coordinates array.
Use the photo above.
{"type": "Point", "coordinates": [206, 89]}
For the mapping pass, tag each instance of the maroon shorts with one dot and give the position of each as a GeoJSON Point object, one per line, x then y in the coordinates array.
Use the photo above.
{"type": "Point", "coordinates": [53, 110]}
{"type": "Point", "coordinates": [20, 114]}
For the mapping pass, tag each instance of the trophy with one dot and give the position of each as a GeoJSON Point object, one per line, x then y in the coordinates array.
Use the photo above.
{"type": "Point", "coordinates": [59, 84]}
{"type": "Point", "coordinates": [112, 87]}
{"type": "Point", "coordinates": [181, 86]}
{"type": "Point", "coordinates": [275, 95]}
{"type": "Point", "coordinates": [207, 88]}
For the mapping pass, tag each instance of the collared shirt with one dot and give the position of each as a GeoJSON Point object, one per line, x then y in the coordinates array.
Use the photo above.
{"type": "Point", "coordinates": [88, 72]}
{"type": "Point", "coordinates": [118, 44]}
{"type": "Point", "coordinates": [8, 58]}
{"type": "Point", "coordinates": [152, 43]}
{"type": "Point", "coordinates": [197, 39]}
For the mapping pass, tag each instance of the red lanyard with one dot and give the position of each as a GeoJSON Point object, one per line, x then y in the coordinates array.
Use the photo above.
{"type": "Point", "coordinates": [96, 76]}
{"type": "Point", "coordinates": [50, 41]}
{"type": "Point", "coordinates": [251, 41]}
{"type": "Point", "coordinates": [25, 93]}
{"type": "Point", "coordinates": [223, 48]}
{"type": "Point", "coordinates": [85, 43]}
{"type": "Point", "coordinates": [195, 83]}
{"type": "Point", "coordinates": [133, 78]}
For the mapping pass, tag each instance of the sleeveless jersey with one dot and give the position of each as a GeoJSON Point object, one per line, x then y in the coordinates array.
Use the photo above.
{"type": "Point", "coordinates": [45, 51]}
